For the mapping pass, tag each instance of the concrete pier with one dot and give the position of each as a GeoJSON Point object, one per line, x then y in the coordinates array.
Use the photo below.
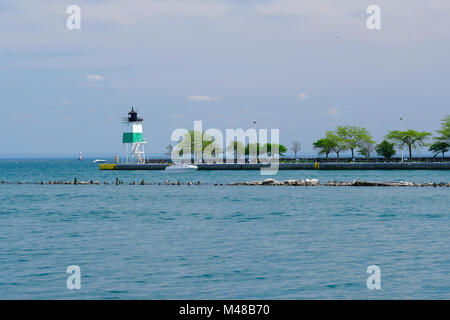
{"type": "Point", "coordinates": [293, 166]}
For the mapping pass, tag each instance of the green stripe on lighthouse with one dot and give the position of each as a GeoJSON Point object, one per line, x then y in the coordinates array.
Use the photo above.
{"type": "Point", "coordinates": [131, 137]}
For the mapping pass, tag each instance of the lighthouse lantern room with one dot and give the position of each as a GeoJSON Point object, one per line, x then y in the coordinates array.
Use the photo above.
{"type": "Point", "coordinates": [133, 139]}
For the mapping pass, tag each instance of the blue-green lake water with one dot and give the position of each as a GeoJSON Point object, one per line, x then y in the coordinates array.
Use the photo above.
{"type": "Point", "coordinates": [220, 242]}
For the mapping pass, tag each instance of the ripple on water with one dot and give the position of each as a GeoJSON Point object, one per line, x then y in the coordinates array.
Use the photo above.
{"type": "Point", "coordinates": [188, 242]}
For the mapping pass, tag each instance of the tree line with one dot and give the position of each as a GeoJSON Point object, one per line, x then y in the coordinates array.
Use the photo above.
{"type": "Point", "coordinates": [343, 138]}
{"type": "Point", "coordinates": [352, 138]}
{"type": "Point", "coordinates": [236, 147]}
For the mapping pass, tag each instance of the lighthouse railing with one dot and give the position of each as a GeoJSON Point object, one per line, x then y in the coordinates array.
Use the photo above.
{"type": "Point", "coordinates": [126, 119]}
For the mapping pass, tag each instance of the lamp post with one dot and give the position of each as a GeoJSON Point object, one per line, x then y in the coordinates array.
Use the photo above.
{"type": "Point", "coordinates": [401, 129]}
{"type": "Point", "coordinates": [256, 132]}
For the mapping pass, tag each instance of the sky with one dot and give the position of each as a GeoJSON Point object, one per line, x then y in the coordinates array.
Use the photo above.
{"type": "Point", "coordinates": [300, 66]}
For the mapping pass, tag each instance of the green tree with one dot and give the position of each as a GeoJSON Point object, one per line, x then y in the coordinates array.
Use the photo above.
{"type": "Point", "coordinates": [440, 147]}
{"type": "Point", "coordinates": [253, 147]}
{"type": "Point", "coordinates": [331, 142]}
{"type": "Point", "coordinates": [445, 130]}
{"type": "Point", "coordinates": [275, 148]}
{"type": "Point", "coordinates": [237, 148]}
{"type": "Point", "coordinates": [442, 143]}
{"type": "Point", "coordinates": [324, 146]}
{"type": "Point", "coordinates": [169, 150]}
{"type": "Point", "coordinates": [337, 142]}
{"type": "Point", "coordinates": [385, 149]}
{"type": "Point", "coordinates": [194, 138]}
{"type": "Point", "coordinates": [353, 137]}
{"type": "Point", "coordinates": [410, 138]}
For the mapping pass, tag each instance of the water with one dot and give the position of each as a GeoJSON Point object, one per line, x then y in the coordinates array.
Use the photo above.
{"type": "Point", "coordinates": [220, 242]}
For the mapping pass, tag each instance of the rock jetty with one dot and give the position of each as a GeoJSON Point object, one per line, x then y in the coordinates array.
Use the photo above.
{"type": "Point", "coordinates": [265, 182]}
{"type": "Point", "coordinates": [355, 183]}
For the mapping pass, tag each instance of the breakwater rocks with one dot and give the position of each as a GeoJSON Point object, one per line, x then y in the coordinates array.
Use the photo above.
{"type": "Point", "coordinates": [356, 183]}
{"type": "Point", "coordinates": [117, 182]}
{"type": "Point", "coordinates": [265, 182]}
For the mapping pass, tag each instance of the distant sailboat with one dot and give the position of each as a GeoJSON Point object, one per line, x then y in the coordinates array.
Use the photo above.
{"type": "Point", "coordinates": [80, 157]}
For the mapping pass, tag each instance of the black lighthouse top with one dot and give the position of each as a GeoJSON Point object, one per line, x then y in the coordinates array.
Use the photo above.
{"type": "Point", "coordinates": [132, 116]}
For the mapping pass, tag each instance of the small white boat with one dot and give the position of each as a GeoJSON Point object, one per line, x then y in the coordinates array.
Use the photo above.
{"type": "Point", "coordinates": [99, 161]}
{"type": "Point", "coordinates": [181, 167]}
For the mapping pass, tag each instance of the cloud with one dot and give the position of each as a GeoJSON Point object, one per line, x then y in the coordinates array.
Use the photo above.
{"type": "Point", "coordinates": [137, 12]}
{"type": "Point", "coordinates": [333, 112]}
{"type": "Point", "coordinates": [303, 96]}
{"type": "Point", "coordinates": [296, 7]}
{"type": "Point", "coordinates": [94, 77]}
{"type": "Point", "coordinates": [203, 98]}
{"type": "Point", "coordinates": [349, 17]}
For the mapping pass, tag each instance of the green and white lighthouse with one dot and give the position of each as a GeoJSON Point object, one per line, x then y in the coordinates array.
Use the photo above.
{"type": "Point", "coordinates": [132, 138]}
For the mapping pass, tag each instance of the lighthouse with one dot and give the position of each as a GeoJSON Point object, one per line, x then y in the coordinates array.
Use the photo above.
{"type": "Point", "coordinates": [132, 138]}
